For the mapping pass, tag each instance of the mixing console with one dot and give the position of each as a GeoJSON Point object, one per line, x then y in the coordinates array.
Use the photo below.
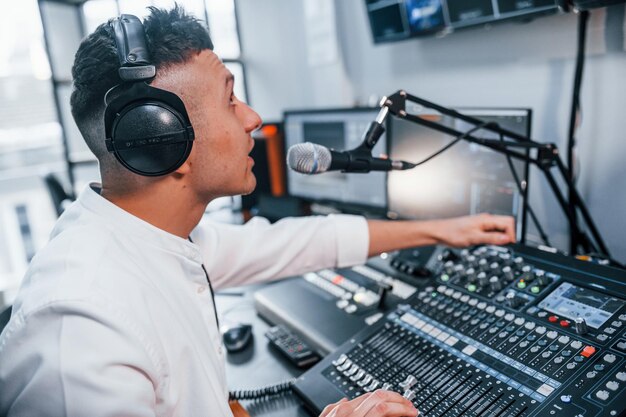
{"type": "Point", "coordinates": [496, 332]}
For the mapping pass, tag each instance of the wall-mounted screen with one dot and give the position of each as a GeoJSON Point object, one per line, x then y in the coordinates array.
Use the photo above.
{"type": "Point", "coordinates": [393, 20]}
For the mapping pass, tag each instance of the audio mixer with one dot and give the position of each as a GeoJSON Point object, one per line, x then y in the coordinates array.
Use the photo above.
{"type": "Point", "coordinates": [496, 331]}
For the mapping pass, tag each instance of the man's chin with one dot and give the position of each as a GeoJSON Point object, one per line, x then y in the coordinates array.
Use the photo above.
{"type": "Point", "coordinates": [251, 186]}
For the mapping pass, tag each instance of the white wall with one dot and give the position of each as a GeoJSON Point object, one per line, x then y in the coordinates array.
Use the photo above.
{"type": "Point", "coordinates": [510, 64]}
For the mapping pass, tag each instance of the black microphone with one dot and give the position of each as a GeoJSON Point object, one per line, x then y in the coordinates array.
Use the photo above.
{"type": "Point", "coordinates": [311, 158]}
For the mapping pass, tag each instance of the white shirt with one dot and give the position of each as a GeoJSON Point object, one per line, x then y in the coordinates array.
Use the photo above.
{"type": "Point", "coordinates": [114, 317]}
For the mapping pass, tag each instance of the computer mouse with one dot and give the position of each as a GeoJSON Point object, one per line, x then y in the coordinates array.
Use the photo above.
{"type": "Point", "coordinates": [237, 337]}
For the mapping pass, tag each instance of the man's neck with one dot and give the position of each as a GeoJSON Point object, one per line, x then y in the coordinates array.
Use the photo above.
{"type": "Point", "coordinates": [173, 211]}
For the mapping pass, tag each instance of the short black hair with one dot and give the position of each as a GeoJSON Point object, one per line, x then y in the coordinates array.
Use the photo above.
{"type": "Point", "coordinates": [172, 37]}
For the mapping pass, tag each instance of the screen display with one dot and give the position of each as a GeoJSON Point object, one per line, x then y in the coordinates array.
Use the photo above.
{"type": "Point", "coordinates": [465, 179]}
{"type": "Point", "coordinates": [341, 129]}
{"type": "Point", "coordinates": [570, 301]}
{"type": "Point", "coordinates": [424, 16]}
{"type": "Point", "coordinates": [393, 20]}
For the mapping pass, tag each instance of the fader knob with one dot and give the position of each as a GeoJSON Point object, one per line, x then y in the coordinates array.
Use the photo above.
{"type": "Point", "coordinates": [408, 382]}
{"type": "Point", "coordinates": [581, 325]}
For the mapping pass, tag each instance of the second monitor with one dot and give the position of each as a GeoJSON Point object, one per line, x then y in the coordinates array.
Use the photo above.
{"type": "Point", "coordinates": [466, 179]}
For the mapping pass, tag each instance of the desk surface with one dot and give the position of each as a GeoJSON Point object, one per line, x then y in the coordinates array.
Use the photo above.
{"type": "Point", "coordinates": [259, 364]}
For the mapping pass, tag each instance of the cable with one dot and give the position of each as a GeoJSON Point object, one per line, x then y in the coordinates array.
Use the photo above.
{"type": "Point", "coordinates": [583, 18]}
{"type": "Point", "coordinates": [451, 144]}
{"type": "Point", "coordinates": [263, 392]}
{"type": "Point", "coordinates": [253, 394]}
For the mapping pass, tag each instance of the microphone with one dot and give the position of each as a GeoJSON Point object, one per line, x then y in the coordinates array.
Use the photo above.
{"type": "Point", "coordinates": [311, 158]}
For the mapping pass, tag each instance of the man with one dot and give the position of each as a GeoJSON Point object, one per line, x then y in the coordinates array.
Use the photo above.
{"type": "Point", "coordinates": [115, 315]}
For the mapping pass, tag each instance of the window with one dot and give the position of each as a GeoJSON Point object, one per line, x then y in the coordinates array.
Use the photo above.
{"type": "Point", "coordinates": [30, 141]}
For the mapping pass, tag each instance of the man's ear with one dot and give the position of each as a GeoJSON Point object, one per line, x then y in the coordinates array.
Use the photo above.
{"type": "Point", "coordinates": [185, 168]}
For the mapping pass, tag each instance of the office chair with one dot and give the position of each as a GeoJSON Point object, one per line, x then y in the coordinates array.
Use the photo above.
{"type": "Point", "coordinates": [60, 198]}
{"type": "Point", "coordinates": [4, 318]}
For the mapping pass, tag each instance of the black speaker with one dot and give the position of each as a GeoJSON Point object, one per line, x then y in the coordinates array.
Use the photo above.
{"type": "Point", "coordinates": [147, 128]}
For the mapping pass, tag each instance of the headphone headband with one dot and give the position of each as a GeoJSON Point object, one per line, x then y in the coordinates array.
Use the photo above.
{"type": "Point", "coordinates": [130, 38]}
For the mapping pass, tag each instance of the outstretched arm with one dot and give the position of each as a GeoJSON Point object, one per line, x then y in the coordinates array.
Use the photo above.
{"type": "Point", "coordinates": [457, 232]}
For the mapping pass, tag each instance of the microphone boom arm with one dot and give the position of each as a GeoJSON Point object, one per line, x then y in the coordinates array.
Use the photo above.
{"type": "Point", "coordinates": [546, 156]}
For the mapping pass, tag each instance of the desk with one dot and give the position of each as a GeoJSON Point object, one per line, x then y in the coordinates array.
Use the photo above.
{"type": "Point", "coordinates": [258, 364]}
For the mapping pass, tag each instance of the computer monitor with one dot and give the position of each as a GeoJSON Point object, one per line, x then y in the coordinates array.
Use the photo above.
{"type": "Point", "coordinates": [466, 179]}
{"type": "Point", "coordinates": [339, 129]}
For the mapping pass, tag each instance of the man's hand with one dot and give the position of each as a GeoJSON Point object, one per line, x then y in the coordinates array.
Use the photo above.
{"type": "Point", "coordinates": [458, 232]}
{"type": "Point", "coordinates": [379, 403]}
{"type": "Point", "coordinates": [474, 230]}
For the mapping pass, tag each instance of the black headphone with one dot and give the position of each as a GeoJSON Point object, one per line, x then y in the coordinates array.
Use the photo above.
{"type": "Point", "coordinates": [147, 129]}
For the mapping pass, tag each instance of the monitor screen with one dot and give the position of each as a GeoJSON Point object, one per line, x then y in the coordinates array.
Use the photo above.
{"type": "Point", "coordinates": [466, 179]}
{"type": "Point", "coordinates": [392, 20]}
{"type": "Point", "coordinates": [340, 129]}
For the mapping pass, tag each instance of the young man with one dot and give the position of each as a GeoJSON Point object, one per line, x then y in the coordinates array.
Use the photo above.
{"type": "Point", "coordinates": [115, 315]}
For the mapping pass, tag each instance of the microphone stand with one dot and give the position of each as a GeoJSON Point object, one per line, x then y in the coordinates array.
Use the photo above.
{"type": "Point", "coordinates": [544, 155]}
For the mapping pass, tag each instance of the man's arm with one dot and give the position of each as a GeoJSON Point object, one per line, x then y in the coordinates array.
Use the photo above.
{"type": "Point", "coordinates": [457, 232]}
{"type": "Point", "coordinates": [257, 251]}
{"type": "Point", "coordinates": [70, 359]}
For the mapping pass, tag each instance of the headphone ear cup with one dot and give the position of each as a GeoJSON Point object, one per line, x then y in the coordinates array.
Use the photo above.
{"type": "Point", "coordinates": [148, 124]}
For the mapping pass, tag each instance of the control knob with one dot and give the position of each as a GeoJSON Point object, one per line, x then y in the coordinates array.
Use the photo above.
{"type": "Point", "coordinates": [580, 325]}
{"type": "Point", "coordinates": [482, 279]}
{"type": "Point", "coordinates": [541, 278]}
{"type": "Point", "coordinates": [495, 284]}
{"type": "Point", "coordinates": [483, 265]}
{"type": "Point", "coordinates": [408, 382]}
{"type": "Point", "coordinates": [471, 275]}
{"type": "Point", "coordinates": [506, 259]}
{"type": "Point", "coordinates": [508, 273]}
{"type": "Point", "coordinates": [512, 301]}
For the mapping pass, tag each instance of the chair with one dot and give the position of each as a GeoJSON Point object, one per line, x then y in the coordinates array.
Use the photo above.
{"type": "Point", "coordinates": [60, 198]}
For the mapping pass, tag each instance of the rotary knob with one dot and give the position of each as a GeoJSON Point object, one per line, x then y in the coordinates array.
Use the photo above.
{"type": "Point", "coordinates": [508, 273]}
{"type": "Point", "coordinates": [511, 300]}
{"type": "Point", "coordinates": [580, 325]}
{"type": "Point", "coordinates": [495, 284]}
{"type": "Point", "coordinates": [471, 275]}
{"type": "Point", "coordinates": [449, 267]}
{"type": "Point", "coordinates": [482, 279]}
{"type": "Point", "coordinates": [483, 265]}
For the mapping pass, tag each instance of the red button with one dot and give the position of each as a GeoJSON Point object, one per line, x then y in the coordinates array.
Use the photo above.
{"type": "Point", "coordinates": [553, 319]}
{"type": "Point", "coordinates": [564, 323]}
{"type": "Point", "coordinates": [588, 351]}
